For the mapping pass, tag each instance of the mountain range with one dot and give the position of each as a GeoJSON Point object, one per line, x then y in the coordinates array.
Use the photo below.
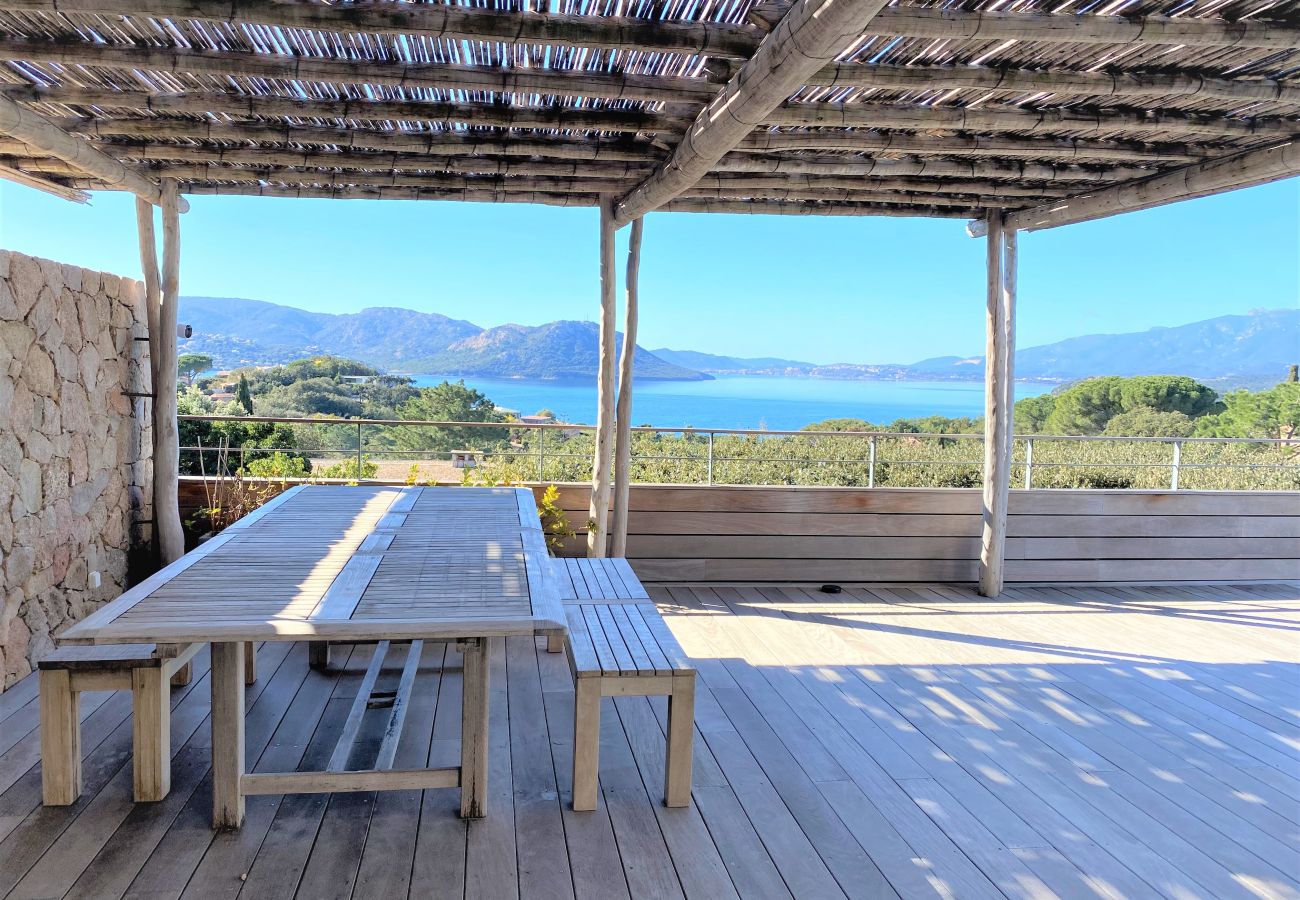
{"type": "Point", "coordinates": [1225, 351]}
{"type": "Point", "coordinates": [237, 332]}
{"type": "Point", "coordinates": [1246, 350]}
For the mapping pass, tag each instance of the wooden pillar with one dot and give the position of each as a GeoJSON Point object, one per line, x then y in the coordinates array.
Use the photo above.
{"type": "Point", "coordinates": [152, 290]}
{"type": "Point", "coordinates": [166, 458]}
{"type": "Point", "coordinates": [623, 420]}
{"type": "Point", "coordinates": [999, 398]}
{"type": "Point", "coordinates": [597, 544]}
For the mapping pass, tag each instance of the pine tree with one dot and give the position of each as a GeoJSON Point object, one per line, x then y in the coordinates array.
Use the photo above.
{"type": "Point", "coordinates": [243, 396]}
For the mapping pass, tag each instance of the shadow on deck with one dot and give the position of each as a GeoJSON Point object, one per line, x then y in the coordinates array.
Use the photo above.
{"type": "Point", "coordinates": [911, 741]}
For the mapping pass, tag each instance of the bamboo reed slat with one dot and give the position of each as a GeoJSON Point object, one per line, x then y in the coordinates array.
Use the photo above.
{"type": "Point", "coordinates": [809, 36]}
{"type": "Point", "coordinates": [929, 106]}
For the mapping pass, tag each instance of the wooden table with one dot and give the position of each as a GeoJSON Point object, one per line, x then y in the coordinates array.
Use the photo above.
{"type": "Point", "coordinates": [349, 564]}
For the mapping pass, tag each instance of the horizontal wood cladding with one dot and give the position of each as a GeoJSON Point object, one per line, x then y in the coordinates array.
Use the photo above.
{"type": "Point", "coordinates": [727, 533]}
{"type": "Point", "coordinates": [728, 498]}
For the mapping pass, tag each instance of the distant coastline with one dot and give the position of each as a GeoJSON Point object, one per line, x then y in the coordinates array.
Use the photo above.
{"type": "Point", "coordinates": [1224, 352]}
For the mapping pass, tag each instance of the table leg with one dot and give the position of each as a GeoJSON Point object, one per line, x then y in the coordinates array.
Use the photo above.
{"type": "Point", "coordinates": [227, 734]}
{"type": "Point", "coordinates": [474, 729]}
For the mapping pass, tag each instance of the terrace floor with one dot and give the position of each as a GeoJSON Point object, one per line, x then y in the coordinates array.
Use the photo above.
{"type": "Point", "coordinates": [918, 742]}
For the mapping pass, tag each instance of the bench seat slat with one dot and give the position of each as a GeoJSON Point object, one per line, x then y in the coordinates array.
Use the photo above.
{"type": "Point", "coordinates": [622, 660]}
{"type": "Point", "coordinates": [582, 651]}
{"type": "Point", "coordinates": [108, 656]}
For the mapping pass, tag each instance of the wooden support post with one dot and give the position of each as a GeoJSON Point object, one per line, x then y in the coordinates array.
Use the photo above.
{"type": "Point", "coordinates": [151, 729]}
{"type": "Point", "coordinates": [250, 662]}
{"type": "Point", "coordinates": [227, 734]}
{"type": "Point", "coordinates": [623, 419]}
{"type": "Point", "coordinates": [152, 284]}
{"type": "Point", "coordinates": [60, 739]}
{"type": "Point", "coordinates": [166, 458]}
{"type": "Point", "coordinates": [597, 534]}
{"type": "Point", "coordinates": [681, 738]}
{"type": "Point", "coordinates": [586, 743]}
{"type": "Point", "coordinates": [474, 729]}
{"type": "Point", "coordinates": [318, 655]}
{"type": "Point", "coordinates": [999, 398]}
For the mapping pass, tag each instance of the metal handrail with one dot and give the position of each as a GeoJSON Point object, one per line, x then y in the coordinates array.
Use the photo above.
{"type": "Point", "coordinates": [710, 454]}
{"type": "Point", "coordinates": [758, 432]}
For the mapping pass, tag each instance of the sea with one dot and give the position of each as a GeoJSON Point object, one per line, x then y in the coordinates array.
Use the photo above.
{"type": "Point", "coordinates": [768, 402]}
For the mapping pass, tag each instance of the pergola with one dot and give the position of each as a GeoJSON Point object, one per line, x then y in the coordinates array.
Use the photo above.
{"type": "Point", "coordinates": [1018, 115]}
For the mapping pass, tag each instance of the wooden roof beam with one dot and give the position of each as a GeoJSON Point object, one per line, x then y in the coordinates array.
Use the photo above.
{"type": "Point", "coordinates": [779, 192]}
{"type": "Point", "coordinates": [807, 208]}
{"type": "Point", "coordinates": [527, 179]}
{"type": "Point", "coordinates": [356, 192]}
{"type": "Point", "coordinates": [919, 165]}
{"type": "Point", "coordinates": [27, 179]}
{"type": "Point", "coordinates": [373, 162]}
{"type": "Point", "coordinates": [39, 133]}
{"type": "Point", "coordinates": [429, 142]}
{"type": "Point", "coordinates": [438, 21]}
{"type": "Point", "coordinates": [858, 115]}
{"type": "Point", "coordinates": [670, 89]}
{"type": "Point", "coordinates": [1031, 81]}
{"type": "Point", "coordinates": [451, 143]}
{"type": "Point", "coordinates": [1212, 177]}
{"type": "Point", "coordinates": [715, 39]}
{"type": "Point", "coordinates": [490, 114]}
{"type": "Point", "coordinates": [1084, 28]}
{"type": "Point", "coordinates": [863, 140]}
{"type": "Point", "coordinates": [924, 117]}
{"type": "Point", "coordinates": [656, 88]}
{"type": "Point", "coordinates": [734, 163]}
{"type": "Point", "coordinates": [808, 37]}
{"type": "Point", "coordinates": [772, 207]}
{"type": "Point", "coordinates": [524, 182]}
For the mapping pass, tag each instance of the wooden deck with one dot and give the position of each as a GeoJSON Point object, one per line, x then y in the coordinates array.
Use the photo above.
{"type": "Point", "coordinates": [918, 742]}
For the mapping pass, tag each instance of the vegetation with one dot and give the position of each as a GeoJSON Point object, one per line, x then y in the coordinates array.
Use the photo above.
{"type": "Point", "coordinates": [449, 402]}
{"type": "Point", "coordinates": [248, 442]}
{"type": "Point", "coordinates": [188, 365]}
{"type": "Point", "coordinates": [1115, 409]}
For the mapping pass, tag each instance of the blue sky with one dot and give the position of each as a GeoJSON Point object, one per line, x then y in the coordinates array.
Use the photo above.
{"type": "Point", "coordinates": [818, 289]}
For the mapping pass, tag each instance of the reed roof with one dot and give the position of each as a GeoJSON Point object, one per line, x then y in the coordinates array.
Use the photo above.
{"type": "Point", "coordinates": [938, 108]}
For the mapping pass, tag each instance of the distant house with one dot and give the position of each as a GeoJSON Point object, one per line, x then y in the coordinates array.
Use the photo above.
{"type": "Point", "coordinates": [358, 379]}
{"type": "Point", "coordinates": [221, 396]}
{"type": "Point", "coordinates": [536, 420]}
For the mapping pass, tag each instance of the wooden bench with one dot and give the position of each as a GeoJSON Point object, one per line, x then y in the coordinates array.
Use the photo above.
{"type": "Point", "coordinates": [147, 670]}
{"type": "Point", "coordinates": [618, 645]}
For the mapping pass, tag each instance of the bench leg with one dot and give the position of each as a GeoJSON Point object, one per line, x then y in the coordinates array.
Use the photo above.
{"type": "Point", "coordinates": [151, 732]}
{"type": "Point", "coordinates": [586, 742]}
{"type": "Point", "coordinates": [555, 642]}
{"type": "Point", "coordinates": [60, 739]}
{"type": "Point", "coordinates": [227, 735]}
{"type": "Point", "coordinates": [250, 663]}
{"type": "Point", "coordinates": [318, 655]}
{"type": "Point", "coordinates": [184, 675]}
{"type": "Point", "coordinates": [474, 729]}
{"type": "Point", "coordinates": [681, 734]}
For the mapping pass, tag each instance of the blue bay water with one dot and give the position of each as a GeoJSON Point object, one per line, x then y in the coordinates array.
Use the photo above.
{"type": "Point", "coordinates": [779, 404]}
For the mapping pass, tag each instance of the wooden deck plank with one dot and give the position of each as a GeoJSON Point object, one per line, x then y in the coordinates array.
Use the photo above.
{"type": "Point", "coordinates": [1111, 741]}
{"type": "Point", "coordinates": [122, 857]}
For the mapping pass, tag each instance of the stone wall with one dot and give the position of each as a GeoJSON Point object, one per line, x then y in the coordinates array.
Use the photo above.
{"type": "Point", "coordinates": [75, 465]}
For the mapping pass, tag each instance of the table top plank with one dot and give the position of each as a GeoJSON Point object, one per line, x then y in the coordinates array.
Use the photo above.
{"type": "Point", "coordinates": [359, 562]}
